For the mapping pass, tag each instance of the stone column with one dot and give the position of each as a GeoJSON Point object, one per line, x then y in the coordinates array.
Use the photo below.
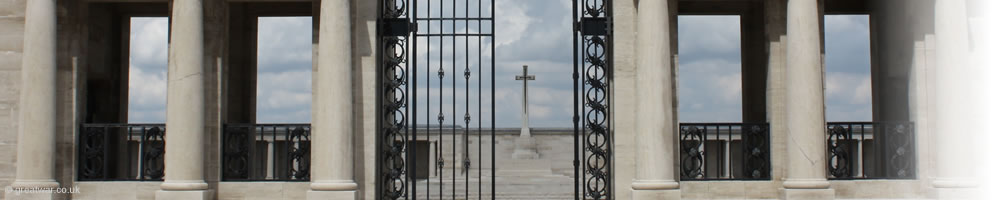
{"type": "Point", "coordinates": [184, 175]}
{"type": "Point", "coordinates": [656, 122]}
{"type": "Point", "coordinates": [36, 141]}
{"type": "Point", "coordinates": [333, 119]}
{"type": "Point", "coordinates": [806, 150]}
{"type": "Point", "coordinates": [954, 178]}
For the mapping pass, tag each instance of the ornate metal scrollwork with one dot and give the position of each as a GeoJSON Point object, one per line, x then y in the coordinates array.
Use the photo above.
{"type": "Point", "coordinates": [594, 28]}
{"type": "Point", "coordinates": [152, 168]}
{"type": "Point", "coordinates": [298, 153]}
{"type": "Point", "coordinates": [92, 148]}
{"type": "Point", "coordinates": [692, 156]}
{"type": "Point", "coordinates": [838, 147]}
{"type": "Point", "coordinates": [236, 153]}
{"type": "Point", "coordinates": [597, 140]}
{"type": "Point", "coordinates": [756, 151]}
{"type": "Point", "coordinates": [900, 152]}
{"type": "Point", "coordinates": [393, 80]}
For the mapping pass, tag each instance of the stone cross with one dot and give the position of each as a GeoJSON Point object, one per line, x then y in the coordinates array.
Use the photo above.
{"type": "Point", "coordinates": [524, 146]}
{"type": "Point", "coordinates": [524, 101]}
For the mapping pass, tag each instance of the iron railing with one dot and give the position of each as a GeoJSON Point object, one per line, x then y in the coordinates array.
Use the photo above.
{"type": "Point", "coordinates": [725, 151]}
{"type": "Point", "coordinates": [265, 152]}
{"type": "Point", "coordinates": [120, 152]}
{"type": "Point", "coordinates": [866, 150]}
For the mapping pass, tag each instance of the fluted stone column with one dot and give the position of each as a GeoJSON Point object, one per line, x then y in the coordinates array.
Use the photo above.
{"type": "Point", "coordinates": [184, 176]}
{"type": "Point", "coordinates": [36, 142]}
{"type": "Point", "coordinates": [333, 161]}
{"type": "Point", "coordinates": [954, 178]}
{"type": "Point", "coordinates": [656, 123]}
{"type": "Point", "coordinates": [806, 150]}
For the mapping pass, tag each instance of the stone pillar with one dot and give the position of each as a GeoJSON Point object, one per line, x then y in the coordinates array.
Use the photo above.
{"type": "Point", "coordinates": [806, 150]}
{"type": "Point", "coordinates": [36, 140]}
{"type": "Point", "coordinates": [954, 178]}
{"type": "Point", "coordinates": [333, 119]}
{"type": "Point", "coordinates": [656, 121]}
{"type": "Point", "coordinates": [184, 175]}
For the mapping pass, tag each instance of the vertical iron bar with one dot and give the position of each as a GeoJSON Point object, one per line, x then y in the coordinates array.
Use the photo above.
{"type": "Point", "coordinates": [441, 97]}
{"type": "Point", "coordinates": [704, 154]}
{"type": "Point", "coordinates": [274, 152]}
{"type": "Point", "coordinates": [107, 162]}
{"type": "Point", "coordinates": [454, 101]}
{"type": "Point", "coordinates": [479, 106]}
{"type": "Point", "coordinates": [289, 148]}
{"type": "Point", "coordinates": [493, 100]}
{"type": "Point", "coordinates": [850, 138]}
{"type": "Point", "coordinates": [465, 140]}
{"type": "Point", "coordinates": [427, 128]}
{"type": "Point", "coordinates": [609, 68]}
{"type": "Point", "coordinates": [729, 149]}
{"type": "Point", "coordinates": [141, 154]}
{"type": "Point", "coordinates": [413, 95]}
{"type": "Point", "coordinates": [576, 103]}
{"type": "Point", "coordinates": [379, 149]}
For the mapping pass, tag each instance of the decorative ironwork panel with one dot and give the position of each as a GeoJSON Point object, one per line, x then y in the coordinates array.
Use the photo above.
{"type": "Point", "coordinates": [867, 150]}
{"type": "Point", "coordinates": [692, 155]}
{"type": "Point", "coordinates": [839, 148]}
{"type": "Point", "coordinates": [152, 154]}
{"type": "Point", "coordinates": [126, 152]}
{"type": "Point", "coordinates": [93, 146]}
{"type": "Point", "coordinates": [899, 150]}
{"type": "Point", "coordinates": [265, 152]}
{"type": "Point", "coordinates": [393, 33]}
{"type": "Point", "coordinates": [236, 142]}
{"type": "Point", "coordinates": [725, 151]}
{"type": "Point", "coordinates": [756, 151]}
{"type": "Point", "coordinates": [298, 153]}
{"type": "Point", "coordinates": [592, 57]}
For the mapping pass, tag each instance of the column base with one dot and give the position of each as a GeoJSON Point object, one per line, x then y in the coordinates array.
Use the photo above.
{"type": "Point", "coordinates": [956, 193]}
{"type": "Point", "coordinates": [324, 195]}
{"type": "Point", "coordinates": [184, 194]}
{"type": "Point", "coordinates": [11, 195]}
{"type": "Point", "coordinates": [670, 194]}
{"type": "Point", "coordinates": [811, 194]}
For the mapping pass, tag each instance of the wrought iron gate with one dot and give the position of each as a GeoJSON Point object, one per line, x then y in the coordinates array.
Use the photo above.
{"type": "Point", "coordinates": [414, 71]}
{"type": "Point", "coordinates": [430, 50]}
{"type": "Point", "coordinates": [592, 28]}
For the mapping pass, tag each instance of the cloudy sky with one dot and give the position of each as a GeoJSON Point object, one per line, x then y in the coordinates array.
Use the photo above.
{"type": "Point", "coordinates": [529, 32]}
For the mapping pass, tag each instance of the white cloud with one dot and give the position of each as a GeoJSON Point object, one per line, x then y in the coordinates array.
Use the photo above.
{"type": "Point", "coordinates": [848, 68]}
{"type": "Point", "coordinates": [284, 72]}
{"type": "Point", "coordinates": [513, 20]}
{"type": "Point", "coordinates": [147, 89]}
{"type": "Point", "coordinates": [148, 40]}
{"type": "Point", "coordinates": [709, 78]}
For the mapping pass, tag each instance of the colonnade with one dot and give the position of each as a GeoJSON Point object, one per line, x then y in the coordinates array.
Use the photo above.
{"type": "Point", "coordinates": [332, 163]}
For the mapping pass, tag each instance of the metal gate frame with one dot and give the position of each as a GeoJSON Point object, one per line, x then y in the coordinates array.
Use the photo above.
{"type": "Point", "coordinates": [396, 123]}
{"type": "Point", "coordinates": [593, 30]}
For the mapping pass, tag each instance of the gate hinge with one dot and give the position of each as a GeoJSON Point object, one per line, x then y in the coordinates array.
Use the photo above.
{"type": "Point", "coordinates": [398, 27]}
{"type": "Point", "coordinates": [593, 26]}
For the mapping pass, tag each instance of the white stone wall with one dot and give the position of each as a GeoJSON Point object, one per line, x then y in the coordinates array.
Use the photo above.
{"type": "Point", "coordinates": [11, 36]}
